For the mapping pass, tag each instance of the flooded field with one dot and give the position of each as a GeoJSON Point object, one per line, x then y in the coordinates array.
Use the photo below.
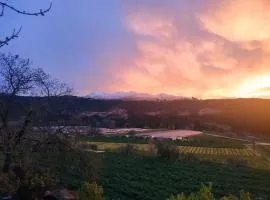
{"type": "Point", "coordinates": [172, 134]}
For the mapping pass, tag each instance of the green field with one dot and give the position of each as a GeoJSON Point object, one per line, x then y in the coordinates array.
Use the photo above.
{"type": "Point", "coordinates": [140, 177]}
{"type": "Point", "coordinates": [205, 140]}
{"type": "Point", "coordinates": [246, 155]}
{"type": "Point", "coordinates": [243, 152]}
{"type": "Point", "coordinates": [218, 151]}
{"type": "Point", "coordinates": [143, 175]}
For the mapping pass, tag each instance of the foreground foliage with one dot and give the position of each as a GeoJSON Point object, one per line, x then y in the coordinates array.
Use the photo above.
{"type": "Point", "coordinates": [128, 149]}
{"type": "Point", "coordinates": [36, 180]}
{"type": "Point", "coordinates": [167, 151]}
{"type": "Point", "coordinates": [205, 193]}
{"type": "Point", "coordinates": [90, 191]}
{"type": "Point", "coordinates": [138, 177]}
{"type": "Point", "coordinates": [45, 165]}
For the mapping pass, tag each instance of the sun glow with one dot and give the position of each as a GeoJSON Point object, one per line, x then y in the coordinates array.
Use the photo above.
{"type": "Point", "coordinates": [256, 87]}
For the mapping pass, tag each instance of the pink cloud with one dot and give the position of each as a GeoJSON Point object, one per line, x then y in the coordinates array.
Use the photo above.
{"type": "Point", "coordinates": [204, 48]}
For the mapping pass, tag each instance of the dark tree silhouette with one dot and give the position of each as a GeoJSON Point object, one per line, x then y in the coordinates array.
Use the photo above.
{"type": "Point", "coordinates": [5, 6]}
{"type": "Point", "coordinates": [18, 78]}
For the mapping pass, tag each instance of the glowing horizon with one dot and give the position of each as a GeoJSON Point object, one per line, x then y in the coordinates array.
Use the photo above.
{"type": "Point", "coordinates": [202, 48]}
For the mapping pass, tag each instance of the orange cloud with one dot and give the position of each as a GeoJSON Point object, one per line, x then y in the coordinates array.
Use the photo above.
{"type": "Point", "coordinates": [204, 48]}
{"type": "Point", "coordinates": [238, 20]}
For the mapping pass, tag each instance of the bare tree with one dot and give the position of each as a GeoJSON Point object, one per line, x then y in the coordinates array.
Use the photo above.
{"type": "Point", "coordinates": [18, 78]}
{"type": "Point", "coordinates": [6, 6]}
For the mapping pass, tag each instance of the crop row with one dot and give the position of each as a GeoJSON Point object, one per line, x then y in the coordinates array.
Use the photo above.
{"type": "Point", "coordinates": [186, 149]}
{"type": "Point", "coordinates": [217, 151]}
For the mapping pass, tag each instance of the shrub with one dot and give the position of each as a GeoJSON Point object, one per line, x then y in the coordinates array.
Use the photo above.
{"type": "Point", "coordinates": [93, 131]}
{"type": "Point", "coordinates": [129, 149]}
{"type": "Point", "coordinates": [243, 196]}
{"type": "Point", "coordinates": [167, 151]}
{"type": "Point", "coordinates": [8, 184]}
{"type": "Point", "coordinates": [189, 157]}
{"type": "Point", "coordinates": [36, 180]}
{"type": "Point", "coordinates": [238, 162]}
{"type": "Point", "coordinates": [205, 193]}
{"type": "Point", "coordinates": [88, 146]}
{"type": "Point", "coordinates": [93, 147]}
{"type": "Point", "coordinates": [132, 133]}
{"type": "Point", "coordinates": [90, 191]}
{"type": "Point", "coordinates": [152, 149]}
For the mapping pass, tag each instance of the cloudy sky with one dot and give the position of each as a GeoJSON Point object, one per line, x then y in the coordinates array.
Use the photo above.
{"type": "Point", "coordinates": [201, 48]}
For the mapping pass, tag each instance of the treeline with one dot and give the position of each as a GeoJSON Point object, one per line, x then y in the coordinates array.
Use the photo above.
{"type": "Point", "coordinates": [238, 115]}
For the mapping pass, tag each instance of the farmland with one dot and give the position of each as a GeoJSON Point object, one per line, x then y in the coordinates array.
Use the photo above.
{"type": "Point", "coordinates": [243, 152]}
{"type": "Point", "coordinates": [248, 156]}
{"type": "Point", "coordinates": [218, 151]}
{"type": "Point", "coordinates": [140, 177]}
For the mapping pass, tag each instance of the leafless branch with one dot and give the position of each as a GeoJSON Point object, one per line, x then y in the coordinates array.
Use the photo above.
{"type": "Point", "coordinates": [23, 129]}
{"type": "Point", "coordinates": [2, 12]}
{"type": "Point", "coordinates": [14, 35]}
{"type": "Point", "coordinates": [39, 13]}
{"type": "Point", "coordinates": [18, 78]}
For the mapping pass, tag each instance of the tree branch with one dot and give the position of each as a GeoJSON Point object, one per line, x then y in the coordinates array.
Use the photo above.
{"type": "Point", "coordinates": [14, 35]}
{"type": "Point", "coordinates": [39, 13]}
{"type": "Point", "coordinates": [2, 12]}
{"type": "Point", "coordinates": [21, 133]}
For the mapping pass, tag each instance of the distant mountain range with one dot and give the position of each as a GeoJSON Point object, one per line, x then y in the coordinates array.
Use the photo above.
{"type": "Point", "coordinates": [132, 96]}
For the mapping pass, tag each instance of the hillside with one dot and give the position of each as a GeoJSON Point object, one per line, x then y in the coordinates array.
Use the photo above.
{"type": "Point", "coordinates": [235, 115]}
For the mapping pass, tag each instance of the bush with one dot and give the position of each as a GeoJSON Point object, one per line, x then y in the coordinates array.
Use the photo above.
{"type": "Point", "coordinates": [93, 131]}
{"type": "Point", "coordinates": [93, 147]}
{"type": "Point", "coordinates": [90, 191]}
{"type": "Point", "coordinates": [167, 151]}
{"type": "Point", "coordinates": [129, 149]}
{"type": "Point", "coordinates": [237, 162]}
{"type": "Point", "coordinates": [8, 184]}
{"type": "Point", "coordinates": [71, 164]}
{"type": "Point", "coordinates": [87, 146]}
{"type": "Point", "coordinates": [131, 133]}
{"type": "Point", "coordinates": [152, 149]}
{"type": "Point", "coordinates": [189, 157]}
{"type": "Point", "coordinates": [205, 193]}
{"type": "Point", "coordinates": [36, 180]}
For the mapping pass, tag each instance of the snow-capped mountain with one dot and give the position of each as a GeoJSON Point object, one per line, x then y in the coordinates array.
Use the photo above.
{"type": "Point", "coordinates": [132, 96]}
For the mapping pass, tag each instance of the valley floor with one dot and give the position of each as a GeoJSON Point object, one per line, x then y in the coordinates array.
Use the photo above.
{"type": "Point", "coordinates": [140, 177]}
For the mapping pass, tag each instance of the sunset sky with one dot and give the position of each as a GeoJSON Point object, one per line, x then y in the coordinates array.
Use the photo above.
{"type": "Point", "coordinates": [201, 48]}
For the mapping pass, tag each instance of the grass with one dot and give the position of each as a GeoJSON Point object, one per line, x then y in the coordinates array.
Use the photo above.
{"type": "Point", "coordinates": [113, 146]}
{"type": "Point", "coordinates": [218, 151]}
{"type": "Point", "coordinates": [204, 140]}
{"type": "Point", "coordinates": [140, 177]}
{"type": "Point", "coordinates": [116, 139]}
{"type": "Point", "coordinates": [148, 177]}
{"type": "Point", "coordinates": [183, 149]}
{"type": "Point", "coordinates": [218, 155]}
